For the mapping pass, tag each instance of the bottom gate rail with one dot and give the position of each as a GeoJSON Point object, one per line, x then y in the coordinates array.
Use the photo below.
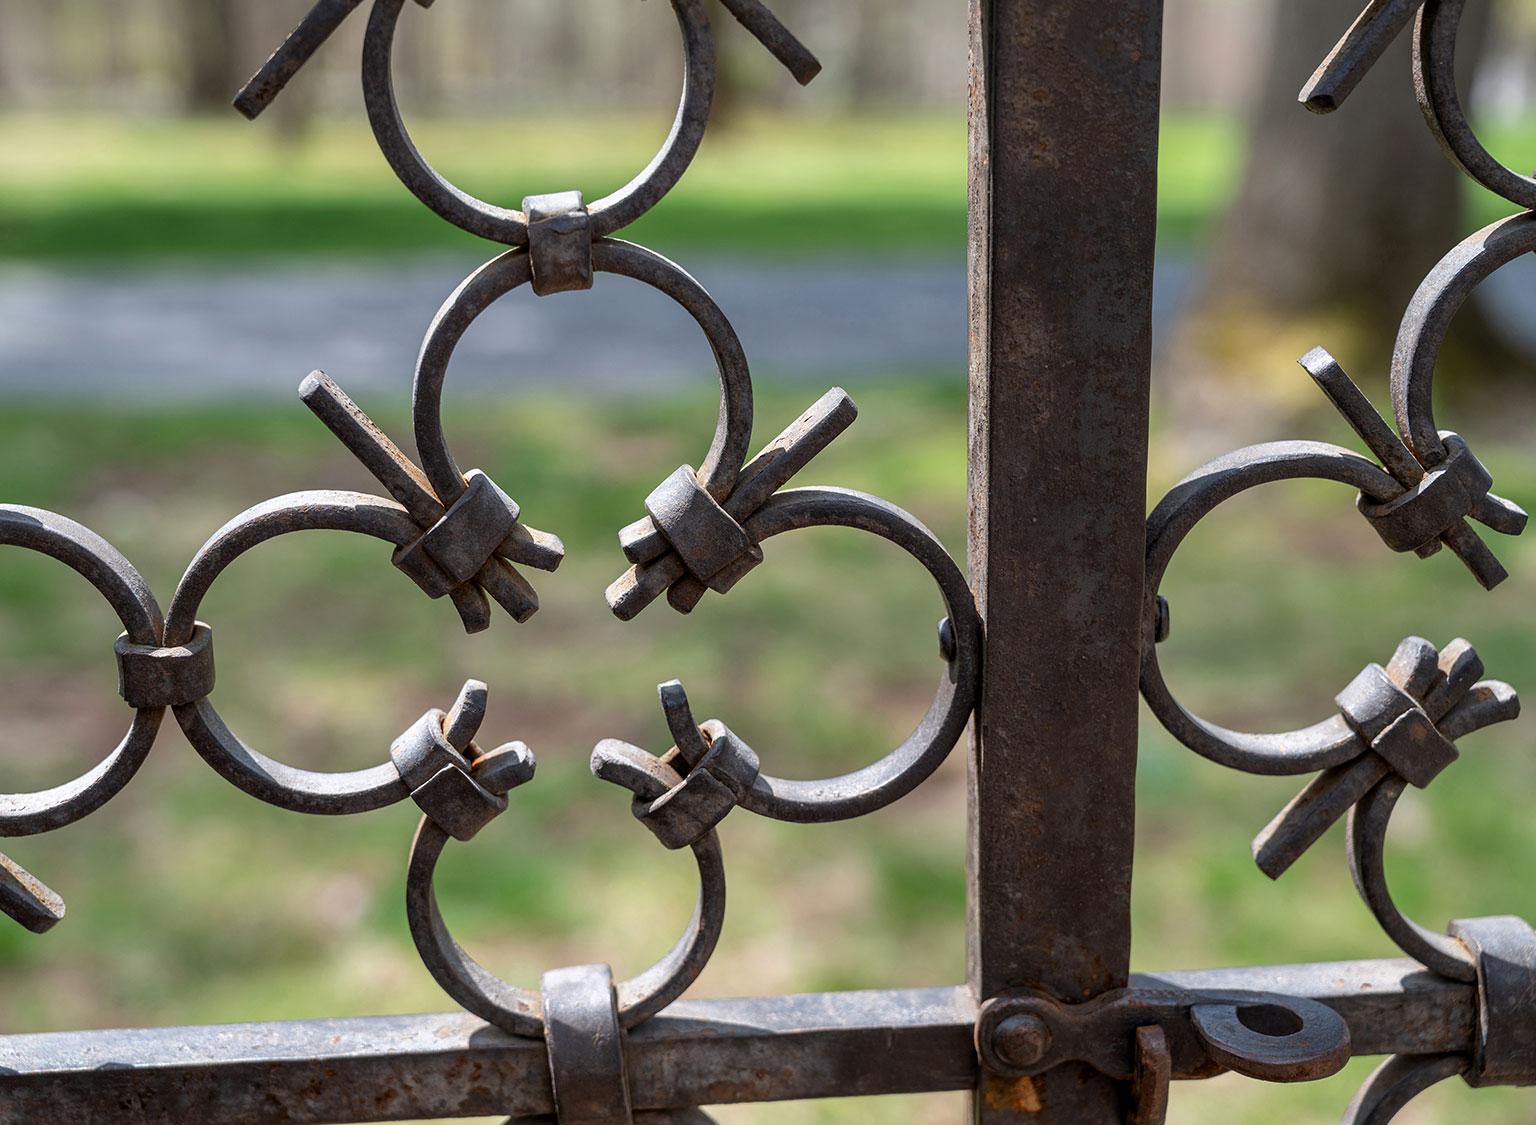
{"type": "Point", "coordinates": [718, 1052]}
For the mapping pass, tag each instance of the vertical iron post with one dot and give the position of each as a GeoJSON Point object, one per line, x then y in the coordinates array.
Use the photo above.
{"type": "Point", "coordinates": [1064, 133]}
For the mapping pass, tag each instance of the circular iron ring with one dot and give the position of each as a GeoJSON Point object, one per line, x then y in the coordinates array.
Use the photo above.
{"type": "Point", "coordinates": [504, 225]}
{"type": "Point", "coordinates": [116, 579]}
{"type": "Point", "coordinates": [500, 276]}
{"type": "Point", "coordinates": [519, 1010]}
{"type": "Point", "coordinates": [1396, 1082]}
{"type": "Point", "coordinates": [1429, 317]}
{"type": "Point", "coordinates": [1434, 80]}
{"type": "Point", "coordinates": [287, 787]}
{"type": "Point", "coordinates": [1317, 747]}
{"type": "Point", "coordinates": [1366, 837]}
{"type": "Point", "coordinates": [910, 764]}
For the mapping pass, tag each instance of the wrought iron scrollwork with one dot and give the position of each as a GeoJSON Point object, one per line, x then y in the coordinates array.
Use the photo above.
{"type": "Point", "coordinates": [458, 536]}
{"type": "Point", "coordinates": [1398, 725]}
{"type": "Point", "coordinates": [500, 224]}
{"type": "Point", "coordinates": [23, 897]}
{"type": "Point", "coordinates": [521, 1012]}
{"type": "Point", "coordinates": [100, 564]}
{"type": "Point", "coordinates": [1271, 1037]}
{"type": "Point", "coordinates": [1436, 23]}
{"type": "Point", "coordinates": [733, 432]}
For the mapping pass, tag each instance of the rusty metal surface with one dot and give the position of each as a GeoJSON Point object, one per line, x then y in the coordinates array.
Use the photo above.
{"type": "Point", "coordinates": [682, 795]}
{"type": "Point", "coordinates": [1504, 951]}
{"type": "Point", "coordinates": [26, 900]}
{"type": "Point", "coordinates": [1264, 1035]}
{"type": "Point", "coordinates": [1397, 1082]}
{"type": "Point", "coordinates": [1153, 1077]}
{"type": "Point", "coordinates": [1436, 23]}
{"type": "Point", "coordinates": [1397, 725]}
{"type": "Point", "coordinates": [519, 1011]}
{"type": "Point", "coordinates": [1061, 621]}
{"type": "Point", "coordinates": [400, 1067]}
{"type": "Point", "coordinates": [1061, 298]}
{"type": "Point", "coordinates": [712, 1052]}
{"type": "Point", "coordinates": [589, 1077]}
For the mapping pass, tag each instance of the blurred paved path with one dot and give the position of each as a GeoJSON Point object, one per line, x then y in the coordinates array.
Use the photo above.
{"type": "Point", "coordinates": [214, 330]}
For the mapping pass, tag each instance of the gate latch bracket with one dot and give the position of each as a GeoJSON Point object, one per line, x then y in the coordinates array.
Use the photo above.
{"type": "Point", "coordinates": [1151, 1037]}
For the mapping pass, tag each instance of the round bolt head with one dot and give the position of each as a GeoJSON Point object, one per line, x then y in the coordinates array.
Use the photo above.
{"type": "Point", "coordinates": [948, 645]}
{"type": "Point", "coordinates": [1022, 1040]}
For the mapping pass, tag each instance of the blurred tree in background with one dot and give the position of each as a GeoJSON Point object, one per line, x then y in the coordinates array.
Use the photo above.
{"type": "Point", "coordinates": [1332, 222]}
{"type": "Point", "coordinates": [1337, 219]}
{"type": "Point", "coordinates": [171, 56]}
{"type": "Point", "coordinates": [208, 33]}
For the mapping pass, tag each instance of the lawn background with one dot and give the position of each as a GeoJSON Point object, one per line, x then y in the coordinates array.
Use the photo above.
{"type": "Point", "coordinates": [191, 902]}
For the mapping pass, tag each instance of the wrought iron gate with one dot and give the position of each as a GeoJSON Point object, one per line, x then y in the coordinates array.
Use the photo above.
{"type": "Point", "coordinates": [1051, 1026]}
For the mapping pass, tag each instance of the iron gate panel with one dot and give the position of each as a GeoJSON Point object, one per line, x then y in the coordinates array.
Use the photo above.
{"type": "Point", "coordinates": [1046, 649]}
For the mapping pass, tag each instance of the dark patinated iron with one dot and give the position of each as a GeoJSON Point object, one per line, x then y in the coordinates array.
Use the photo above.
{"type": "Point", "coordinates": [1406, 718]}
{"type": "Point", "coordinates": [589, 1077]}
{"type": "Point", "coordinates": [471, 531]}
{"type": "Point", "coordinates": [1434, 78]}
{"type": "Point", "coordinates": [1403, 720]}
{"type": "Point", "coordinates": [716, 769]}
{"type": "Point", "coordinates": [1046, 646]}
{"type": "Point", "coordinates": [515, 1009]}
{"type": "Point", "coordinates": [1504, 951]}
{"type": "Point", "coordinates": [100, 564]}
{"type": "Point", "coordinates": [153, 676]}
{"type": "Point", "coordinates": [1261, 1035]}
{"type": "Point", "coordinates": [1153, 1077]}
{"type": "Point", "coordinates": [687, 557]}
{"type": "Point", "coordinates": [1397, 1082]}
{"type": "Point", "coordinates": [499, 224]}
{"type": "Point", "coordinates": [26, 899]}
{"type": "Point", "coordinates": [460, 787]}
{"type": "Point", "coordinates": [559, 242]}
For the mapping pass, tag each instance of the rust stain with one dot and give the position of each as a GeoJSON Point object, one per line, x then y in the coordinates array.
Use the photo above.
{"type": "Point", "coordinates": [1016, 1095]}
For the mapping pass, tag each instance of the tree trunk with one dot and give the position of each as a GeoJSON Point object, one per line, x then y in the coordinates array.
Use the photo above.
{"type": "Point", "coordinates": [208, 35]}
{"type": "Point", "coordinates": [1338, 218]}
{"type": "Point", "coordinates": [732, 89]}
{"type": "Point", "coordinates": [292, 114]}
{"type": "Point", "coordinates": [869, 68]}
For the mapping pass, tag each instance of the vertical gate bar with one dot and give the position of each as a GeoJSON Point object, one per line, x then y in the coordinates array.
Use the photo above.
{"type": "Point", "coordinates": [1064, 131]}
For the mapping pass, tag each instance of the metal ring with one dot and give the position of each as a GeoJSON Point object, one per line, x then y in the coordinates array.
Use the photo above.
{"type": "Point", "coordinates": [287, 787]}
{"type": "Point", "coordinates": [520, 1011]}
{"type": "Point", "coordinates": [502, 224]}
{"type": "Point", "coordinates": [1367, 843]}
{"type": "Point", "coordinates": [903, 769]}
{"type": "Point", "coordinates": [1320, 746]}
{"type": "Point", "coordinates": [1434, 80]}
{"type": "Point", "coordinates": [116, 579]}
{"type": "Point", "coordinates": [500, 276]}
{"type": "Point", "coordinates": [1429, 317]}
{"type": "Point", "coordinates": [1396, 1082]}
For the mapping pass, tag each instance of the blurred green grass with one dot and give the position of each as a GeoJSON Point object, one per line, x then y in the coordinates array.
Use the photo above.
{"type": "Point", "coordinates": [191, 902]}
{"type": "Point", "coordinates": [95, 188]}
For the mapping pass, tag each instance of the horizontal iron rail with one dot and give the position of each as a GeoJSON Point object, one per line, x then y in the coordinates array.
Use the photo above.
{"type": "Point", "coordinates": [703, 1052]}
